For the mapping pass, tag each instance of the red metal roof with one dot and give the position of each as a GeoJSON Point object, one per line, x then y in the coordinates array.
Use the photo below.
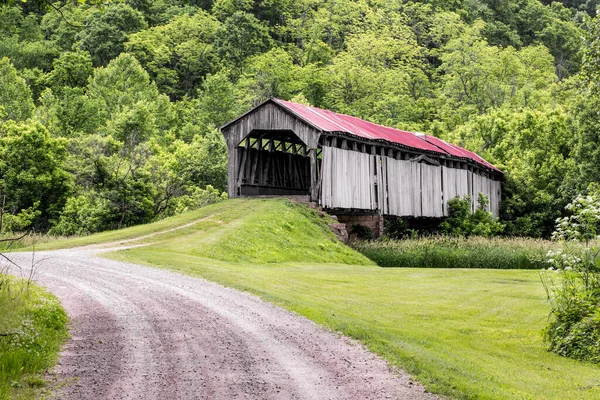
{"type": "Point", "coordinates": [457, 151]}
{"type": "Point", "coordinates": [329, 121]}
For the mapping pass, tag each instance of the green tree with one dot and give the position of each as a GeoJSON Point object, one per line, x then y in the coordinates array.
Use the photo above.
{"type": "Point", "coordinates": [179, 54]}
{"type": "Point", "coordinates": [122, 84]}
{"type": "Point", "coordinates": [217, 102]}
{"type": "Point", "coordinates": [62, 26]}
{"type": "Point", "coordinates": [587, 151]}
{"type": "Point", "coordinates": [479, 76]}
{"type": "Point", "coordinates": [240, 37]}
{"type": "Point", "coordinates": [71, 69]}
{"type": "Point", "coordinates": [534, 150]}
{"type": "Point", "coordinates": [32, 170]}
{"type": "Point", "coordinates": [15, 96]}
{"type": "Point", "coordinates": [271, 74]}
{"type": "Point", "coordinates": [107, 30]}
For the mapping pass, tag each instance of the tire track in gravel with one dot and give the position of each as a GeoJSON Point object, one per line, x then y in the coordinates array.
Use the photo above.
{"type": "Point", "coordinates": [145, 333]}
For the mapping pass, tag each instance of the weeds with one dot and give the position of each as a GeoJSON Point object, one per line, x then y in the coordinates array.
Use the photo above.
{"type": "Point", "coordinates": [445, 252]}
{"type": "Point", "coordinates": [27, 240]}
{"type": "Point", "coordinates": [32, 328]}
{"type": "Point", "coordinates": [572, 281]}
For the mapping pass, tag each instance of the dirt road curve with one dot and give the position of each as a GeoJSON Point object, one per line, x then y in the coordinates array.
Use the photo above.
{"type": "Point", "coordinates": [143, 333]}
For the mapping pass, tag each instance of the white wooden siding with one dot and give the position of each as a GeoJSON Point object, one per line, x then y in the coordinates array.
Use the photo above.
{"type": "Point", "coordinates": [401, 187]}
{"type": "Point", "coordinates": [355, 180]}
{"type": "Point", "coordinates": [431, 191]}
{"type": "Point", "coordinates": [455, 184]}
{"type": "Point", "coordinates": [347, 179]}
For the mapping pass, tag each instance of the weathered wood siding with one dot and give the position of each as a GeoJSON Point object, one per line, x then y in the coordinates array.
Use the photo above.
{"type": "Point", "coordinates": [455, 184]}
{"type": "Point", "coordinates": [265, 118]}
{"type": "Point", "coordinates": [347, 179]}
{"type": "Point", "coordinates": [489, 187]}
{"type": "Point", "coordinates": [381, 180]}
{"type": "Point", "coordinates": [355, 180]}
{"type": "Point", "coordinates": [431, 191]}
{"type": "Point", "coordinates": [495, 198]}
{"type": "Point", "coordinates": [400, 187]}
{"type": "Point", "coordinates": [271, 117]}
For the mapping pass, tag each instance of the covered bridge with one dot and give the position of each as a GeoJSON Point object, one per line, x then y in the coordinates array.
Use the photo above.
{"type": "Point", "coordinates": [351, 166]}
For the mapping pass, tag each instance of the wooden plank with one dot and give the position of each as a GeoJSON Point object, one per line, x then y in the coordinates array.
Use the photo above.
{"type": "Point", "coordinates": [373, 181]}
{"type": "Point", "coordinates": [231, 163]}
{"type": "Point", "coordinates": [417, 199]}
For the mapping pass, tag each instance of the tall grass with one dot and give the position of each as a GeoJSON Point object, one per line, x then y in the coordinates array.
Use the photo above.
{"type": "Point", "coordinates": [445, 252]}
{"type": "Point", "coordinates": [27, 240]}
{"type": "Point", "coordinates": [32, 329]}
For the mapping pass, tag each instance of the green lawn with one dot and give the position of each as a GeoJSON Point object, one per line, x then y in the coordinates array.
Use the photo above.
{"type": "Point", "coordinates": [464, 333]}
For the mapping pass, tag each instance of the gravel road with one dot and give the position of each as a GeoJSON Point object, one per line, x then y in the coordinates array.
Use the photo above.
{"type": "Point", "coordinates": [144, 333]}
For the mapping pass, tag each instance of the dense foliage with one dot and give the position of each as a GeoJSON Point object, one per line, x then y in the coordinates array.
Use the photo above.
{"type": "Point", "coordinates": [124, 97]}
{"type": "Point", "coordinates": [573, 281]}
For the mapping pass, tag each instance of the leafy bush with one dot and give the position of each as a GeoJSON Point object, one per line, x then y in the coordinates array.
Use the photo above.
{"type": "Point", "coordinates": [446, 252]}
{"type": "Point", "coordinates": [461, 222]}
{"type": "Point", "coordinates": [572, 282]}
{"type": "Point", "coordinates": [395, 228]}
{"type": "Point", "coordinates": [362, 232]}
{"type": "Point", "coordinates": [82, 215]}
{"type": "Point", "coordinates": [198, 198]}
{"type": "Point", "coordinates": [21, 221]}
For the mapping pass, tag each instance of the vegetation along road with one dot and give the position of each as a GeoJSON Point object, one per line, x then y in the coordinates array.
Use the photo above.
{"type": "Point", "coordinates": [153, 334]}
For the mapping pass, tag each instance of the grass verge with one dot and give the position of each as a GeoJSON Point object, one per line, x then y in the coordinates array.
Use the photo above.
{"type": "Point", "coordinates": [444, 252]}
{"type": "Point", "coordinates": [33, 327]}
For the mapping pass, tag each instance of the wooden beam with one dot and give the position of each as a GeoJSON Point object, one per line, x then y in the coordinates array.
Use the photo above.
{"type": "Point", "coordinates": [254, 166]}
{"type": "Point", "coordinates": [241, 168]}
{"type": "Point", "coordinates": [313, 175]}
{"type": "Point", "coordinates": [231, 170]}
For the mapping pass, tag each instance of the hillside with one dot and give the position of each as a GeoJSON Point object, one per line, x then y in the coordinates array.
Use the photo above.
{"type": "Point", "coordinates": [264, 231]}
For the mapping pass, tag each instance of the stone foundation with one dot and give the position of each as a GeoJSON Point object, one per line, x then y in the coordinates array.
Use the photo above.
{"type": "Point", "coordinates": [373, 221]}
{"type": "Point", "coordinates": [345, 222]}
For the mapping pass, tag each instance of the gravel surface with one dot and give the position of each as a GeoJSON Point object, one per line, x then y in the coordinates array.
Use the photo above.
{"type": "Point", "coordinates": [144, 333]}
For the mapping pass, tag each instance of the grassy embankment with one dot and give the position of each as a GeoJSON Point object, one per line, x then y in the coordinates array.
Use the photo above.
{"type": "Point", "coordinates": [32, 329]}
{"type": "Point", "coordinates": [467, 333]}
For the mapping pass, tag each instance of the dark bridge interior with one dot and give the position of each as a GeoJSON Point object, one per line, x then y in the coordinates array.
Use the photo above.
{"type": "Point", "coordinates": [273, 163]}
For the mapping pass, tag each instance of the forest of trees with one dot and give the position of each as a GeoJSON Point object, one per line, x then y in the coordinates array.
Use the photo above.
{"type": "Point", "coordinates": [109, 110]}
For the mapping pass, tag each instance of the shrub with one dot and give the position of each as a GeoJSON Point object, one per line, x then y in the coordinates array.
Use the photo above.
{"type": "Point", "coordinates": [82, 215]}
{"type": "Point", "coordinates": [461, 222]}
{"type": "Point", "coordinates": [572, 282]}
{"type": "Point", "coordinates": [197, 198]}
{"type": "Point", "coordinates": [395, 228]}
{"type": "Point", "coordinates": [20, 222]}
{"type": "Point", "coordinates": [362, 232]}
